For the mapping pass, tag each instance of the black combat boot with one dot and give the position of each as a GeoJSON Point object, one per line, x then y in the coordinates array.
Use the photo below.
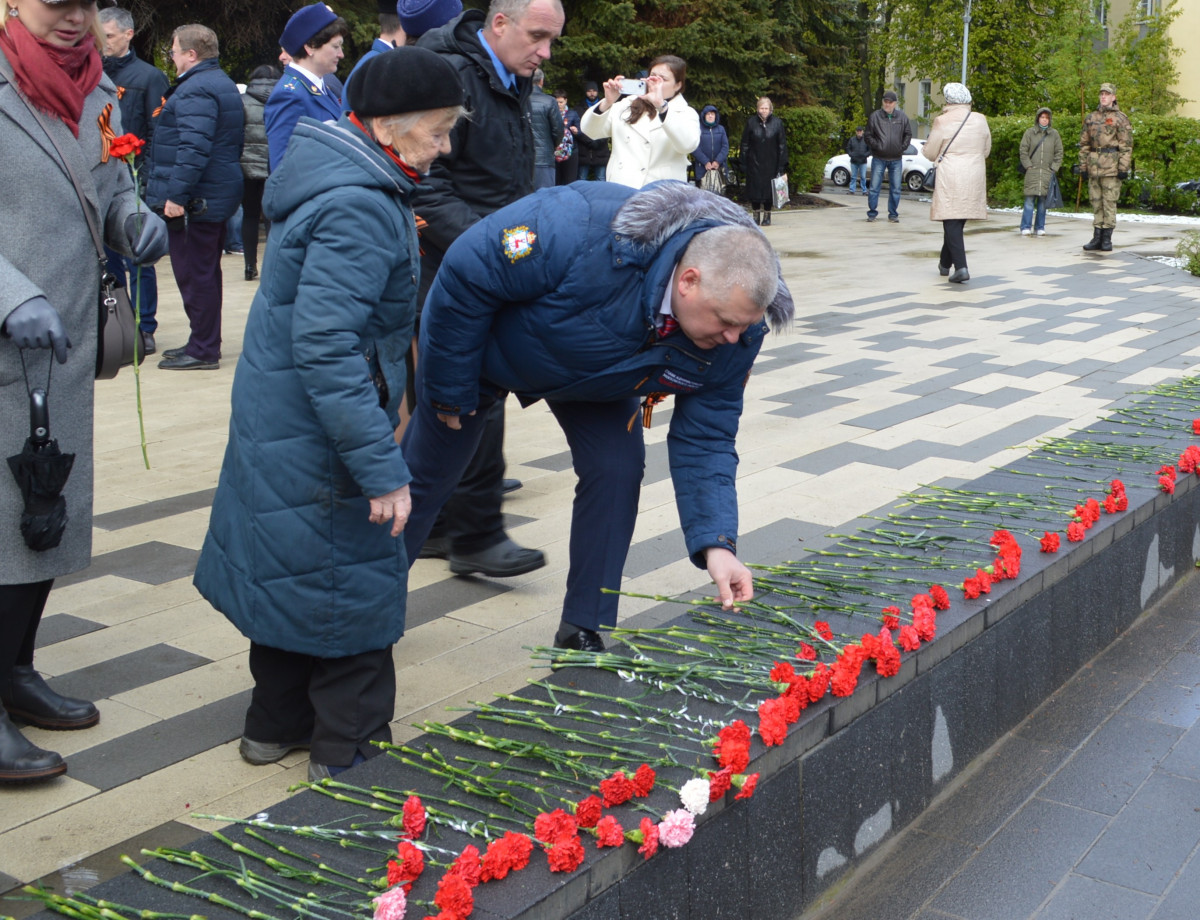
{"type": "Point", "coordinates": [1106, 239]}
{"type": "Point", "coordinates": [1094, 243]}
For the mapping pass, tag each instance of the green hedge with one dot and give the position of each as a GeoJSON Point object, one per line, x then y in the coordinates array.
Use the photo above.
{"type": "Point", "coordinates": [1166, 151]}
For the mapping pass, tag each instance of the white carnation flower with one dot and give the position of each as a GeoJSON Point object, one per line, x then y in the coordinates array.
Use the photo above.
{"type": "Point", "coordinates": [694, 795]}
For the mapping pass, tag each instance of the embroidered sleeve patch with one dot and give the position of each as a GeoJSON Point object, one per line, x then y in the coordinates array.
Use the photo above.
{"type": "Point", "coordinates": [517, 242]}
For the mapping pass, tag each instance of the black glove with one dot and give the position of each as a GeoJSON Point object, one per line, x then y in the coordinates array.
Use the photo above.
{"type": "Point", "coordinates": [147, 235]}
{"type": "Point", "coordinates": [36, 324]}
{"type": "Point", "coordinates": [1122, 175]}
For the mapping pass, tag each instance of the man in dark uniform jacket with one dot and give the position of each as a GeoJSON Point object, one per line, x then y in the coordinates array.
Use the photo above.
{"type": "Point", "coordinates": [140, 90]}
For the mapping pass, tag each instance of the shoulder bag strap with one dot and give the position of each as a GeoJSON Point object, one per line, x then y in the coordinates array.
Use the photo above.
{"type": "Point", "coordinates": [96, 239]}
{"type": "Point", "coordinates": [946, 149]}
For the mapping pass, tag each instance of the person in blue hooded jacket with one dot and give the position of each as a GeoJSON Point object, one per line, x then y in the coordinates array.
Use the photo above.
{"type": "Point", "coordinates": [303, 552]}
{"type": "Point", "coordinates": [712, 153]}
{"type": "Point", "coordinates": [597, 297]}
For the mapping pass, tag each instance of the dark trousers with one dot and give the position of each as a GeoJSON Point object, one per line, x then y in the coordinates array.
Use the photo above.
{"type": "Point", "coordinates": [21, 608]}
{"type": "Point", "coordinates": [196, 262]}
{"type": "Point", "coordinates": [471, 518]}
{"type": "Point", "coordinates": [252, 195]}
{"type": "Point", "coordinates": [342, 704]}
{"type": "Point", "coordinates": [609, 459]}
{"type": "Point", "coordinates": [954, 249]}
{"type": "Point", "coordinates": [145, 283]}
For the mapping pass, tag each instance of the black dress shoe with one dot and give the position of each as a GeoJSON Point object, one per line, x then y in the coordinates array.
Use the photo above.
{"type": "Point", "coordinates": [147, 344]}
{"type": "Point", "coordinates": [23, 762]}
{"type": "Point", "coordinates": [251, 272]}
{"type": "Point", "coordinates": [503, 560]}
{"type": "Point", "coordinates": [581, 640]}
{"type": "Point", "coordinates": [510, 485]}
{"type": "Point", "coordinates": [28, 697]}
{"type": "Point", "coordinates": [435, 548]}
{"type": "Point", "coordinates": [186, 362]}
{"type": "Point", "coordinates": [175, 352]}
{"type": "Point", "coordinates": [959, 276]}
{"type": "Point", "coordinates": [943, 270]}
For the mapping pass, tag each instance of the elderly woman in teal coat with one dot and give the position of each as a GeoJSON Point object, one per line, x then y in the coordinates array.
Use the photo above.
{"type": "Point", "coordinates": [303, 552]}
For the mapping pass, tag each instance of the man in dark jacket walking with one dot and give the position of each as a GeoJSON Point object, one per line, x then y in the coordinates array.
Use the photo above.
{"type": "Point", "coordinates": [490, 164]}
{"type": "Point", "coordinates": [547, 125]}
{"type": "Point", "coordinates": [141, 88]}
{"type": "Point", "coordinates": [888, 135]}
{"type": "Point", "coordinates": [596, 297]}
{"type": "Point", "coordinates": [858, 151]}
{"type": "Point", "coordinates": [196, 181]}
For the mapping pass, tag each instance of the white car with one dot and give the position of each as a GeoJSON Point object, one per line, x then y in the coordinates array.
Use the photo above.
{"type": "Point", "coordinates": [837, 170]}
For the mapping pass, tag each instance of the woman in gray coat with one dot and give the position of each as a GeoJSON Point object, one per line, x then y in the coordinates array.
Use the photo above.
{"type": "Point", "coordinates": [1041, 156]}
{"type": "Point", "coordinates": [49, 284]}
{"type": "Point", "coordinates": [255, 160]}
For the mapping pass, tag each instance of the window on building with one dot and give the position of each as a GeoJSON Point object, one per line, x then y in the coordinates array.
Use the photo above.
{"type": "Point", "coordinates": [1100, 12]}
{"type": "Point", "coordinates": [925, 103]}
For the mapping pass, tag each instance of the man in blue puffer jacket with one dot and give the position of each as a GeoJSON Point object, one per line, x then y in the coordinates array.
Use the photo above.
{"type": "Point", "coordinates": [196, 181]}
{"type": "Point", "coordinates": [678, 307]}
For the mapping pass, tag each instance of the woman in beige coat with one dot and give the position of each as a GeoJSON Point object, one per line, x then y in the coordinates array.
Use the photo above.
{"type": "Point", "coordinates": [654, 134]}
{"type": "Point", "coordinates": [960, 193]}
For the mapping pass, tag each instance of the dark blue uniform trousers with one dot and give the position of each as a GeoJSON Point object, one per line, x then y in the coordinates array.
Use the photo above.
{"type": "Point", "coordinates": [609, 457]}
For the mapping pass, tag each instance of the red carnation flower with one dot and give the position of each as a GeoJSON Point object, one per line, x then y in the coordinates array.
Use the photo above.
{"type": "Point", "coordinates": [1196, 426]}
{"type": "Point", "coordinates": [772, 726]}
{"type": "Point", "coordinates": [1122, 502]}
{"type": "Point", "coordinates": [782, 673]}
{"type": "Point", "coordinates": [649, 838]}
{"type": "Point", "coordinates": [616, 790]}
{"type": "Point", "coordinates": [870, 645]}
{"type": "Point", "coordinates": [823, 630]}
{"type": "Point", "coordinates": [971, 588]}
{"type": "Point", "coordinates": [941, 600]}
{"type": "Point", "coordinates": [454, 896]}
{"type": "Point", "coordinates": [807, 652]}
{"type": "Point", "coordinates": [408, 868]}
{"type": "Point", "coordinates": [921, 602]}
{"type": "Point", "coordinates": [1167, 484]}
{"type": "Point", "coordinates": [588, 812]}
{"type": "Point", "coordinates": [985, 581]}
{"type": "Point", "coordinates": [749, 784]}
{"type": "Point", "coordinates": [910, 641]}
{"type": "Point", "coordinates": [549, 826]}
{"type": "Point", "coordinates": [846, 670]}
{"type": "Point", "coordinates": [1050, 543]}
{"type": "Point", "coordinates": [733, 746]}
{"type": "Point", "coordinates": [609, 832]}
{"type": "Point", "coordinates": [1117, 487]}
{"type": "Point", "coordinates": [887, 662]}
{"type": "Point", "coordinates": [127, 145]}
{"type": "Point", "coordinates": [466, 866]}
{"type": "Point", "coordinates": [565, 854]}
{"type": "Point", "coordinates": [719, 783]}
{"type": "Point", "coordinates": [891, 617]}
{"type": "Point", "coordinates": [1110, 504]}
{"type": "Point", "coordinates": [925, 625]}
{"type": "Point", "coordinates": [818, 682]}
{"type": "Point", "coordinates": [643, 780]}
{"type": "Point", "coordinates": [1075, 532]}
{"type": "Point", "coordinates": [510, 853]}
{"type": "Point", "coordinates": [414, 817]}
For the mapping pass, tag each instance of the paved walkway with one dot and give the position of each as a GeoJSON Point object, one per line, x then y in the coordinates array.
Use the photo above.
{"type": "Point", "coordinates": [891, 378]}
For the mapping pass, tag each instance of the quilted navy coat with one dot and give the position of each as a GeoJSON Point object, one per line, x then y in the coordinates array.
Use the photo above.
{"type": "Point", "coordinates": [290, 557]}
{"type": "Point", "coordinates": [556, 296]}
{"type": "Point", "coordinates": [196, 150]}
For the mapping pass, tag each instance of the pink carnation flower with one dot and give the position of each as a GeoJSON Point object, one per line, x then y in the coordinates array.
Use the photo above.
{"type": "Point", "coordinates": [391, 905]}
{"type": "Point", "coordinates": [676, 828]}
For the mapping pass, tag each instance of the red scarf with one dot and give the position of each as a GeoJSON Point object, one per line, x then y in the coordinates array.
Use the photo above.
{"type": "Point", "coordinates": [408, 170]}
{"type": "Point", "coordinates": [56, 80]}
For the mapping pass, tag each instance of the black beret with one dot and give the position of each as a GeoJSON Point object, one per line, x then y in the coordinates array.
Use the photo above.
{"type": "Point", "coordinates": [406, 79]}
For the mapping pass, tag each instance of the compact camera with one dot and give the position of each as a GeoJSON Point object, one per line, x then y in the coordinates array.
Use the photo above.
{"type": "Point", "coordinates": [633, 87]}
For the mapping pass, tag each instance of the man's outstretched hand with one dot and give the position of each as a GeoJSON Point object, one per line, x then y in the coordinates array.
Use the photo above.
{"type": "Point", "coordinates": [733, 580]}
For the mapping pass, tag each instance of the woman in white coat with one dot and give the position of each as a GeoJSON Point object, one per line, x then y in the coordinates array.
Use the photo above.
{"type": "Point", "coordinates": [652, 134]}
{"type": "Point", "coordinates": [963, 140]}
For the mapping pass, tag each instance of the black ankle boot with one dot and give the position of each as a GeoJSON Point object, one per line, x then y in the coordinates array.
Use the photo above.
{"type": "Point", "coordinates": [28, 697]}
{"type": "Point", "coordinates": [1094, 243]}
{"type": "Point", "coordinates": [1106, 239]}
{"type": "Point", "coordinates": [20, 760]}
{"type": "Point", "coordinates": [758, 216]}
{"type": "Point", "coordinates": [766, 221]}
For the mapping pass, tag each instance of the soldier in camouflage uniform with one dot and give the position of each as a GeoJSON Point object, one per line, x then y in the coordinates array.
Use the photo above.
{"type": "Point", "coordinates": [1105, 149]}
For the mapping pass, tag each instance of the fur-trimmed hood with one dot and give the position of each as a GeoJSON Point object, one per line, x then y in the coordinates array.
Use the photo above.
{"type": "Point", "coordinates": [659, 211]}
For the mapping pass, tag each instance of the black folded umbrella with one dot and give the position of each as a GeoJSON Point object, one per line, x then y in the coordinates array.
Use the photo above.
{"type": "Point", "coordinates": [41, 471]}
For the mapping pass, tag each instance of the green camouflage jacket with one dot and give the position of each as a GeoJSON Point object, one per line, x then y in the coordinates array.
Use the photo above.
{"type": "Point", "coordinates": [1106, 145]}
